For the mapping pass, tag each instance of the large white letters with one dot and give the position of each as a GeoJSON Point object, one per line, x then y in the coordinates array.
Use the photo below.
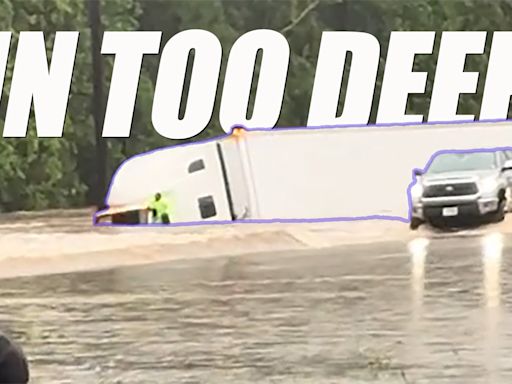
{"type": "Point", "coordinates": [49, 89]}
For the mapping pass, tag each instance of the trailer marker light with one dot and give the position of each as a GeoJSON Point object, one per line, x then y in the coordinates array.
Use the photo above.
{"type": "Point", "coordinates": [238, 133]}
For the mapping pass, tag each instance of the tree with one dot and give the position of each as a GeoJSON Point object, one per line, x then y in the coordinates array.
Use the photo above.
{"type": "Point", "coordinates": [98, 101]}
{"type": "Point", "coordinates": [74, 170]}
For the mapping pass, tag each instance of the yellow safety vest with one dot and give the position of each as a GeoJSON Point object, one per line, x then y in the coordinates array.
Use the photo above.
{"type": "Point", "coordinates": [161, 206]}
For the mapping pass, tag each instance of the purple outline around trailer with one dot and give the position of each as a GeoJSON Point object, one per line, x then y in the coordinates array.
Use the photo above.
{"type": "Point", "coordinates": [318, 220]}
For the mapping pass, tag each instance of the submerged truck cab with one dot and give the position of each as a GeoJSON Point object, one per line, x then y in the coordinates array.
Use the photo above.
{"type": "Point", "coordinates": [190, 177]}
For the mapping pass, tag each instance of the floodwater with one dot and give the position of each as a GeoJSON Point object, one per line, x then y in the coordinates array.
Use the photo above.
{"type": "Point", "coordinates": [433, 311]}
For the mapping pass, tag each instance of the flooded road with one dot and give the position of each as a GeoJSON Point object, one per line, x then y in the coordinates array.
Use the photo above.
{"type": "Point", "coordinates": [433, 311]}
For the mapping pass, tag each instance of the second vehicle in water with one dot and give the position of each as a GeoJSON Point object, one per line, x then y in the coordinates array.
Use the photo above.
{"type": "Point", "coordinates": [461, 187]}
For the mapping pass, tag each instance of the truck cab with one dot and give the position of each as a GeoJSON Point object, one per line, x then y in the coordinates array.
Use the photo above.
{"type": "Point", "coordinates": [461, 187]}
{"type": "Point", "coordinates": [189, 177]}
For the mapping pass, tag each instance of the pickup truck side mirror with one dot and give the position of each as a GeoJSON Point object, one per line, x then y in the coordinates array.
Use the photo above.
{"type": "Point", "coordinates": [507, 166]}
{"type": "Point", "coordinates": [419, 172]}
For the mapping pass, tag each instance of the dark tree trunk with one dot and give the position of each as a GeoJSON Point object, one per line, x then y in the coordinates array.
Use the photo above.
{"type": "Point", "coordinates": [98, 105]}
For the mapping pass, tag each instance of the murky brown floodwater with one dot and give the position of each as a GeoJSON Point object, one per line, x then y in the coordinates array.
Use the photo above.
{"type": "Point", "coordinates": [382, 313]}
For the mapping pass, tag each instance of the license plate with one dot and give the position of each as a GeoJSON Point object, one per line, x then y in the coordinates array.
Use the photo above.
{"type": "Point", "coordinates": [450, 211]}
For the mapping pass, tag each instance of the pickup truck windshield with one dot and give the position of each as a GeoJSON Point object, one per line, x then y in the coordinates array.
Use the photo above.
{"type": "Point", "coordinates": [457, 162]}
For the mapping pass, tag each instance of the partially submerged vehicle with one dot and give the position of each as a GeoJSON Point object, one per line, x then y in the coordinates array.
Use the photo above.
{"type": "Point", "coordinates": [290, 175]}
{"type": "Point", "coordinates": [459, 187]}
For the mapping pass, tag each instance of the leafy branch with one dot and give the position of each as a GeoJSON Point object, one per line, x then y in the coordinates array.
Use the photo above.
{"type": "Point", "coordinates": [310, 8]}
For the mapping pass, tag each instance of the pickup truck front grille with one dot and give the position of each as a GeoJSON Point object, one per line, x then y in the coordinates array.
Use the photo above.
{"type": "Point", "coordinates": [450, 189]}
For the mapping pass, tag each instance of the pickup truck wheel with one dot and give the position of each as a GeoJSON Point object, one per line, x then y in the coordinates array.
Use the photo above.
{"type": "Point", "coordinates": [415, 223]}
{"type": "Point", "coordinates": [499, 215]}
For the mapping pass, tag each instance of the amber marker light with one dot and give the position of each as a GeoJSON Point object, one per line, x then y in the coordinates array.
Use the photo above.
{"type": "Point", "coordinates": [238, 133]}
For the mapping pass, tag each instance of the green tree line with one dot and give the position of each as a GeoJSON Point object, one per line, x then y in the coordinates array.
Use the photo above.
{"type": "Point", "coordinates": [71, 172]}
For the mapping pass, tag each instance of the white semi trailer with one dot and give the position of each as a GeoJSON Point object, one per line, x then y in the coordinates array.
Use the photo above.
{"type": "Point", "coordinates": [325, 173]}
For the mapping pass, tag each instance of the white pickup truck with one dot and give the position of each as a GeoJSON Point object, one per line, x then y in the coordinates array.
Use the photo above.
{"type": "Point", "coordinates": [463, 186]}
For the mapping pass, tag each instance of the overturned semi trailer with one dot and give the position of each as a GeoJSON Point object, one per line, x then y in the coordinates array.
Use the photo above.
{"type": "Point", "coordinates": [297, 174]}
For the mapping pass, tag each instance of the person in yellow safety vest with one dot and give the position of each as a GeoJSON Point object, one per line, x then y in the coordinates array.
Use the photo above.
{"type": "Point", "coordinates": [159, 206]}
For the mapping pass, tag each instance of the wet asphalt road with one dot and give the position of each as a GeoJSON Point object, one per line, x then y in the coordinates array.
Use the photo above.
{"type": "Point", "coordinates": [433, 311]}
